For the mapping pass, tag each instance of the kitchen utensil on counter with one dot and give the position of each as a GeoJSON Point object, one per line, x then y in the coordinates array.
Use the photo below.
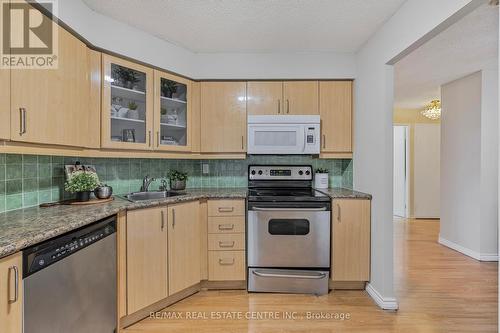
{"type": "Point", "coordinates": [103, 192]}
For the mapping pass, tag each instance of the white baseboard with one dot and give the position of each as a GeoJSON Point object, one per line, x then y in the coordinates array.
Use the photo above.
{"type": "Point", "coordinates": [386, 303]}
{"type": "Point", "coordinates": [468, 252]}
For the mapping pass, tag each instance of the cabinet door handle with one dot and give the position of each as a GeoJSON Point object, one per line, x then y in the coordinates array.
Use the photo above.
{"type": "Point", "coordinates": [324, 141]}
{"type": "Point", "coordinates": [287, 106]}
{"type": "Point", "coordinates": [279, 106]}
{"type": "Point", "coordinates": [162, 220]}
{"type": "Point", "coordinates": [16, 284]}
{"type": "Point", "coordinates": [173, 218]}
{"type": "Point", "coordinates": [226, 244]}
{"type": "Point", "coordinates": [242, 142]}
{"type": "Point", "coordinates": [22, 119]}
{"type": "Point", "coordinates": [149, 138]}
{"type": "Point", "coordinates": [226, 261]}
{"type": "Point", "coordinates": [158, 139]}
{"type": "Point", "coordinates": [228, 226]}
{"type": "Point", "coordinates": [225, 209]}
{"type": "Point", "coordinates": [338, 213]}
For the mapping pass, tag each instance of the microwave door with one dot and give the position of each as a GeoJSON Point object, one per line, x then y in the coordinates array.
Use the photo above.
{"type": "Point", "coordinates": [276, 139]}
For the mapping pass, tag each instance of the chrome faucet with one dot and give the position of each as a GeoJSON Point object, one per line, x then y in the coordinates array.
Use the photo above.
{"type": "Point", "coordinates": [146, 181]}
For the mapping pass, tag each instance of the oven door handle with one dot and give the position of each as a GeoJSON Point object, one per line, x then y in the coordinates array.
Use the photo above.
{"type": "Point", "coordinates": [314, 275]}
{"type": "Point", "coordinates": [266, 209]}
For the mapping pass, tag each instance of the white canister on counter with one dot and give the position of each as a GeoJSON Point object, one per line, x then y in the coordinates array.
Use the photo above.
{"type": "Point", "coordinates": [321, 178]}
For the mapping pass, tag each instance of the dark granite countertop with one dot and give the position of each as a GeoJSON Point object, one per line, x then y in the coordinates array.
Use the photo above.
{"type": "Point", "coordinates": [22, 228]}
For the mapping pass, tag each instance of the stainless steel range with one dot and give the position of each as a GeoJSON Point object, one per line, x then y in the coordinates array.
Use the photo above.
{"type": "Point", "coordinates": [288, 231]}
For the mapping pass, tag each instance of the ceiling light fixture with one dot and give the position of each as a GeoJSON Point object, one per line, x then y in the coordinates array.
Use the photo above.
{"type": "Point", "coordinates": [432, 110]}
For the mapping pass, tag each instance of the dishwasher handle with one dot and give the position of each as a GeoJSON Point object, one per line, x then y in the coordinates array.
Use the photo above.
{"type": "Point", "coordinates": [268, 209]}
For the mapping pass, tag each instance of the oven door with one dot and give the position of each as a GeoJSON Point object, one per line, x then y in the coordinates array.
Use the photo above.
{"type": "Point", "coordinates": [289, 235]}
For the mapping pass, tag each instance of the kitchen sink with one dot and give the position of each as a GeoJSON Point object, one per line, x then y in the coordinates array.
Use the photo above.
{"type": "Point", "coordinates": [153, 195]}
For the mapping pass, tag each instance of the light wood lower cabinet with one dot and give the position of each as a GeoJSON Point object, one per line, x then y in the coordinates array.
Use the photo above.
{"type": "Point", "coordinates": [226, 240]}
{"type": "Point", "coordinates": [183, 246]}
{"type": "Point", "coordinates": [146, 258]}
{"type": "Point", "coordinates": [351, 219]}
{"type": "Point", "coordinates": [226, 265]}
{"type": "Point", "coordinates": [11, 293]}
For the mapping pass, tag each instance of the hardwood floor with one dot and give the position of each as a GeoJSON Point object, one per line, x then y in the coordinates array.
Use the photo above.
{"type": "Point", "coordinates": [438, 289]}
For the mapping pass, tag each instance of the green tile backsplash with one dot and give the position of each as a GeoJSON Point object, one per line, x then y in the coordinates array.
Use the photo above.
{"type": "Point", "coordinates": [29, 180]}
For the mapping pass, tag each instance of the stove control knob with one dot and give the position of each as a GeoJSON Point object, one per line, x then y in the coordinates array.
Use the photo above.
{"type": "Point", "coordinates": [252, 172]}
{"type": "Point", "coordinates": [301, 172]}
{"type": "Point", "coordinates": [308, 172]}
{"type": "Point", "coordinates": [260, 172]}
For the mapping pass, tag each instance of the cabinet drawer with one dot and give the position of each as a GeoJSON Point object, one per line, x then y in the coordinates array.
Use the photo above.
{"type": "Point", "coordinates": [224, 242]}
{"type": "Point", "coordinates": [226, 224]}
{"type": "Point", "coordinates": [226, 207]}
{"type": "Point", "coordinates": [226, 265]}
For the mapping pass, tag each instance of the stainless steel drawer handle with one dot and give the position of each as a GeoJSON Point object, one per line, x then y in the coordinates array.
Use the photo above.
{"type": "Point", "coordinates": [226, 209]}
{"type": "Point", "coordinates": [266, 209]}
{"type": "Point", "coordinates": [16, 284]}
{"type": "Point", "coordinates": [226, 226]}
{"type": "Point", "coordinates": [226, 244]}
{"type": "Point", "coordinates": [227, 262]}
{"type": "Point", "coordinates": [314, 276]}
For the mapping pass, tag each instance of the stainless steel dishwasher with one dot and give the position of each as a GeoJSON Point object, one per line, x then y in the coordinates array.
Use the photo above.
{"type": "Point", "coordinates": [70, 282]}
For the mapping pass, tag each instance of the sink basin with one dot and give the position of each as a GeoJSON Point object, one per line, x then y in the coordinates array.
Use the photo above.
{"type": "Point", "coordinates": [153, 195]}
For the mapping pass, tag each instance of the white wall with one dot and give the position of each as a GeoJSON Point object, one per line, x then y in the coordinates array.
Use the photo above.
{"type": "Point", "coordinates": [414, 22]}
{"type": "Point", "coordinates": [489, 163]}
{"type": "Point", "coordinates": [426, 170]}
{"type": "Point", "coordinates": [400, 170]}
{"type": "Point", "coordinates": [469, 165]}
{"type": "Point", "coordinates": [126, 40]}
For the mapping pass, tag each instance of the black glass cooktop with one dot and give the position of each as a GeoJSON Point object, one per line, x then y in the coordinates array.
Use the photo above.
{"type": "Point", "coordinates": [286, 194]}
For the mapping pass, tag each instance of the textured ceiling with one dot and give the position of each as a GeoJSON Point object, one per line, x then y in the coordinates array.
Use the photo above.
{"type": "Point", "coordinates": [254, 25]}
{"type": "Point", "coordinates": [465, 47]}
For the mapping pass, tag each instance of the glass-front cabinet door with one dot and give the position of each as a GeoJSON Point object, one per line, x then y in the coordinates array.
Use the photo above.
{"type": "Point", "coordinates": [127, 104]}
{"type": "Point", "coordinates": [172, 112]}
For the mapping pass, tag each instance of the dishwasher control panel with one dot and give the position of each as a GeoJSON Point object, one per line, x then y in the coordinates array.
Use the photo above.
{"type": "Point", "coordinates": [42, 255]}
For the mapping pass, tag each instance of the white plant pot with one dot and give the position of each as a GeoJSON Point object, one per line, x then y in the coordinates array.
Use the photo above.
{"type": "Point", "coordinates": [321, 180]}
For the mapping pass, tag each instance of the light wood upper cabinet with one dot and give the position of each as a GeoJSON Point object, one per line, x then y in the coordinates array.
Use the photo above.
{"type": "Point", "coordinates": [265, 98]}
{"type": "Point", "coordinates": [195, 117]}
{"type": "Point", "coordinates": [335, 108]}
{"type": "Point", "coordinates": [223, 117]}
{"type": "Point", "coordinates": [172, 109]}
{"type": "Point", "coordinates": [350, 240]}
{"type": "Point", "coordinates": [300, 97]}
{"type": "Point", "coordinates": [5, 104]}
{"type": "Point", "coordinates": [146, 258]}
{"type": "Point", "coordinates": [184, 259]}
{"type": "Point", "coordinates": [127, 104]}
{"type": "Point", "coordinates": [51, 106]}
{"type": "Point", "coordinates": [11, 294]}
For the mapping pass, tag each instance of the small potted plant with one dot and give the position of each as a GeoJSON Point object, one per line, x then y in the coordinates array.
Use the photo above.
{"type": "Point", "coordinates": [126, 77]}
{"type": "Point", "coordinates": [168, 88]}
{"type": "Point", "coordinates": [177, 180]}
{"type": "Point", "coordinates": [82, 183]}
{"type": "Point", "coordinates": [321, 178]}
{"type": "Point", "coordinates": [133, 113]}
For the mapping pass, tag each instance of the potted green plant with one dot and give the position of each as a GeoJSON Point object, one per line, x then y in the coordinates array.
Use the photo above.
{"type": "Point", "coordinates": [321, 178]}
{"type": "Point", "coordinates": [132, 110]}
{"type": "Point", "coordinates": [168, 88]}
{"type": "Point", "coordinates": [126, 77]}
{"type": "Point", "coordinates": [82, 183]}
{"type": "Point", "coordinates": [177, 179]}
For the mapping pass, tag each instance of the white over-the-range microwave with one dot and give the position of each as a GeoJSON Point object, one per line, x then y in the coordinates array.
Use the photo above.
{"type": "Point", "coordinates": [281, 134]}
